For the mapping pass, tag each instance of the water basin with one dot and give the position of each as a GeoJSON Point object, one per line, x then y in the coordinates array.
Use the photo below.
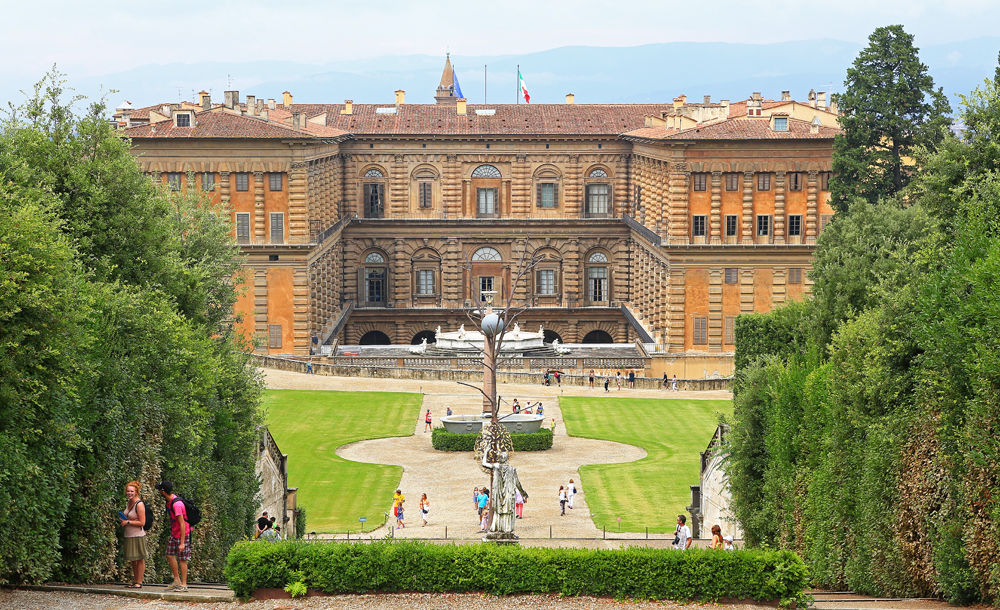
{"type": "Point", "coordinates": [472, 424]}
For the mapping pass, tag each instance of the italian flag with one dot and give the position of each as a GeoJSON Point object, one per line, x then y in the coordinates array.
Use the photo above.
{"type": "Point", "coordinates": [524, 88]}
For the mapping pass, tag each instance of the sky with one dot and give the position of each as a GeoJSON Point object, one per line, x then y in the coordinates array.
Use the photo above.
{"type": "Point", "coordinates": [99, 37]}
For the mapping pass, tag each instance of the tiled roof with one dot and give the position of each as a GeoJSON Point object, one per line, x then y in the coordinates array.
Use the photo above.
{"type": "Point", "coordinates": [739, 109]}
{"type": "Point", "coordinates": [651, 133]}
{"type": "Point", "coordinates": [509, 119]}
{"type": "Point", "coordinates": [754, 129]}
{"type": "Point", "coordinates": [225, 125]}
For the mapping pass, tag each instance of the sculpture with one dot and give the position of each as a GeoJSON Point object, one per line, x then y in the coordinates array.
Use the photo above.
{"type": "Point", "coordinates": [504, 486]}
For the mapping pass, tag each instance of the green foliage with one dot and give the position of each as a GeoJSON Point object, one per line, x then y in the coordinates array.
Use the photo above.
{"type": "Point", "coordinates": [117, 361]}
{"type": "Point", "coordinates": [300, 522]}
{"type": "Point", "coordinates": [413, 566]}
{"type": "Point", "coordinates": [442, 440]}
{"type": "Point", "coordinates": [297, 586]}
{"type": "Point", "coordinates": [889, 107]}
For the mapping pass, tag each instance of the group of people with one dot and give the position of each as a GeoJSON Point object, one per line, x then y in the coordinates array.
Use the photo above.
{"type": "Point", "coordinates": [267, 530]}
{"type": "Point", "coordinates": [549, 376]}
{"type": "Point", "coordinates": [537, 408]}
{"type": "Point", "coordinates": [136, 520]}
{"type": "Point", "coordinates": [682, 537]}
{"type": "Point", "coordinates": [618, 377]}
{"type": "Point", "coordinates": [398, 500]}
{"type": "Point", "coordinates": [566, 495]}
{"type": "Point", "coordinates": [666, 380]}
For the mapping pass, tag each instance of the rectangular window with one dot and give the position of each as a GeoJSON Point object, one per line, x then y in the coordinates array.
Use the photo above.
{"type": "Point", "coordinates": [375, 284]}
{"type": "Point", "coordinates": [763, 225]}
{"type": "Point", "coordinates": [275, 181]}
{"type": "Point", "coordinates": [794, 225]}
{"type": "Point", "coordinates": [763, 181]}
{"type": "Point", "coordinates": [824, 181]}
{"type": "Point", "coordinates": [597, 199]}
{"type": "Point", "coordinates": [548, 193]}
{"type": "Point", "coordinates": [208, 182]}
{"type": "Point", "coordinates": [243, 228]}
{"type": "Point", "coordinates": [795, 276]}
{"type": "Point", "coordinates": [732, 275]}
{"type": "Point", "coordinates": [424, 192]}
{"type": "Point", "coordinates": [795, 181]}
{"type": "Point", "coordinates": [184, 119]}
{"type": "Point", "coordinates": [699, 180]}
{"type": "Point", "coordinates": [174, 181]}
{"type": "Point", "coordinates": [277, 227]}
{"type": "Point", "coordinates": [730, 330]}
{"type": "Point", "coordinates": [732, 225]}
{"type": "Point", "coordinates": [732, 182]}
{"type": "Point", "coordinates": [485, 285]}
{"type": "Point", "coordinates": [425, 281]}
{"type": "Point", "coordinates": [781, 123]}
{"type": "Point", "coordinates": [274, 339]}
{"type": "Point", "coordinates": [547, 281]}
{"type": "Point", "coordinates": [598, 282]}
{"type": "Point", "coordinates": [242, 181]}
{"type": "Point", "coordinates": [824, 219]}
{"type": "Point", "coordinates": [700, 336]}
{"type": "Point", "coordinates": [486, 202]}
{"type": "Point", "coordinates": [698, 223]}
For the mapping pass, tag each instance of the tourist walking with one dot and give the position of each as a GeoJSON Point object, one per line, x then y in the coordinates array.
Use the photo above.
{"type": "Point", "coordinates": [515, 407]}
{"type": "Point", "coordinates": [397, 508]}
{"type": "Point", "coordinates": [134, 522]}
{"type": "Point", "coordinates": [631, 380]}
{"type": "Point", "coordinates": [591, 379]}
{"type": "Point", "coordinates": [483, 500]}
{"type": "Point", "coordinates": [448, 410]}
{"type": "Point", "coordinates": [484, 519]}
{"type": "Point", "coordinates": [309, 367]}
{"type": "Point", "coordinates": [717, 542]}
{"type": "Point", "coordinates": [553, 425]}
{"type": "Point", "coordinates": [539, 410]}
{"type": "Point", "coordinates": [562, 500]}
{"type": "Point", "coordinates": [428, 420]}
{"type": "Point", "coordinates": [674, 387]}
{"type": "Point", "coordinates": [179, 544]}
{"type": "Point", "coordinates": [665, 380]}
{"type": "Point", "coordinates": [558, 379]}
{"type": "Point", "coordinates": [425, 507]}
{"type": "Point", "coordinates": [682, 535]}
{"type": "Point", "coordinates": [618, 380]}
{"type": "Point", "coordinates": [607, 381]}
{"type": "Point", "coordinates": [518, 503]}
{"type": "Point", "coordinates": [570, 493]}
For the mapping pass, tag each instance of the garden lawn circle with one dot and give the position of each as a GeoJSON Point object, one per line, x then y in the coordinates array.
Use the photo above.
{"type": "Point", "coordinates": [650, 492]}
{"type": "Point", "coordinates": [310, 425]}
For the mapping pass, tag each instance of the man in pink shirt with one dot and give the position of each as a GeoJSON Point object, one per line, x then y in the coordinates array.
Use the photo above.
{"type": "Point", "coordinates": [179, 546]}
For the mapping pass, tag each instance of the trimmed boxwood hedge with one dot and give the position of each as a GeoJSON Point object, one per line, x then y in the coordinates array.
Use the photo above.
{"type": "Point", "coordinates": [442, 440]}
{"type": "Point", "coordinates": [643, 573]}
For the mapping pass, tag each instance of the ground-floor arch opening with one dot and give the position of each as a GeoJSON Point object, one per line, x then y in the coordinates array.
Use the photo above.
{"type": "Point", "coordinates": [424, 334]}
{"type": "Point", "coordinates": [598, 336]}
{"type": "Point", "coordinates": [375, 337]}
{"type": "Point", "coordinates": [551, 335]}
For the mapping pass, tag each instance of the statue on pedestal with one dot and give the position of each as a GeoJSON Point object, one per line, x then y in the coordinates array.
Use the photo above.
{"type": "Point", "coordinates": [504, 487]}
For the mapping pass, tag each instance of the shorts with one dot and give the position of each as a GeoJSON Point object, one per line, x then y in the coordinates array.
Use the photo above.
{"type": "Point", "coordinates": [175, 543]}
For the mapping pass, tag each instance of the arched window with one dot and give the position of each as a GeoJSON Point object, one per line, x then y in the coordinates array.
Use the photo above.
{"type": "Point", "coordinates": [597, 278]}
{"type": "Point", "coordinates": [597, 336]}
{"type": "Point", "coordinates": [598, 257]}
{"type": "Point", "coordinates": [374, 257]}
{"type": "Point", "coordinates": [486, 254]}
{"type": "Point", "coordinates": [374, 279]}
{"type": "Point", "coordinates": [375, 337]}
{"type": "Point", "coordinates": [597, 196]}
{"type": "Point", "coordinates": [423, 180]}
{"type": "Point", "coordinates": [598, 173]}
{"type": "Point", "coordinates": [547, 188]}
{"type": "Point", "coordinates": [486, 171]}
{"type": "Point", "coordinates": [374, 173]}
{"type": "Point", "coordinates": [374, 193]}
{"type": "Point", "coordinates": [424, 334]}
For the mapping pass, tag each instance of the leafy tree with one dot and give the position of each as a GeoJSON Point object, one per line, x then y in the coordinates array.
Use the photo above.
{"type": "Point", "coordinates": [890, 107]}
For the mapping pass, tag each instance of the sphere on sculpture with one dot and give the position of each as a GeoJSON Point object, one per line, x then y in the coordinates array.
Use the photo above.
{"type": "Point", "coordinates": [492, 325]}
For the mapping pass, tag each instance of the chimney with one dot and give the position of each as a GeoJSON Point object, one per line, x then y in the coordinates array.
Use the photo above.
{"type": "Point", "coordinates": [126, 120]}
{"type": "Point", "coordinates": [756, 96]}
{"type": "Point", "coordinates": [260, 106]}
{"type": "Point", "coordinates": [786, 96]}
{"type": "Point", "coordinates": [833, 106]}
{"type": "Point", "coordinates": [570, 98]}
{"type": "Point", "coordinates": [814, 125]}
{"type": "Point", "coordinates": [400, 97]}
{"type": "Point", "coordinates": [270, 104]}
{"type": "Point", "coordinates": [679, 101]}
{"type": "Point", "coordinates": [205, 99]}
{"type": "Point", "coordinates": [821, 99]}
{"type": "Point", "coordinates": [461, 106]}
{"type": "Point", "coordinates": [708, 100]}
{"type": "Point", "coordinates": [296, 120]}
{"type": "Point", "coordinates": [348, 107]}
{"type": "Point", "coordinates": [812, 98]}
{"type": "Point", "coordinates": [286, 99]}
{"type": "Point", "coordinates": [725, 106]}
{"type": "Point", "coordinates": [251, 105]}
{"type": "Point", "coordinates": [232, 99]}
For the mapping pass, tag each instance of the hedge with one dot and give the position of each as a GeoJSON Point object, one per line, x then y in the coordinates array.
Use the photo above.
{"type": "Point", "coordinates": [442, 440]}
{"type": "Point", "coordinates": [644, 573]}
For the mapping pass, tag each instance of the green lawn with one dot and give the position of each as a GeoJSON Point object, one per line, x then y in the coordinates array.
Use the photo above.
{"type": "Point", "coordinates": [654, 490]}
{"type": "Point", "coordinates": [310, 425]}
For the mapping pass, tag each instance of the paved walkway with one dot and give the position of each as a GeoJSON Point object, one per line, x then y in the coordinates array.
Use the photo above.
{"type": "Point", "coordinates": [448, 478]}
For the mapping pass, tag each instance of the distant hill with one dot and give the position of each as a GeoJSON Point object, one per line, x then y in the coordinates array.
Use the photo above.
{"type": "Point", "coordinates": [646, 73]}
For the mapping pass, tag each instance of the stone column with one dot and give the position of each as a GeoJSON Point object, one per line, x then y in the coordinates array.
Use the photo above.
{"type": "Point", "coordinates": [779, 207]}
{"type": "Point", "coordinates": [260, 226]}
{"type": "Point", "coordinates": [811, 207]}
{"type": "Point", "coordinates": [748, 232]}
{"type": "Point", "coordinates": [715, 221]}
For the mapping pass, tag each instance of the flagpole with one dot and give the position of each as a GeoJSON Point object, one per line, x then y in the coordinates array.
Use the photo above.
{"type": "Point", "coordinates": [485, 97]}
{"type": "Point", "coordinates": [517, 83]}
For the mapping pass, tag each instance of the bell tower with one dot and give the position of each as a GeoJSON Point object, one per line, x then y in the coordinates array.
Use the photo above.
{"type": "Point", "coordinates": [446, 90]}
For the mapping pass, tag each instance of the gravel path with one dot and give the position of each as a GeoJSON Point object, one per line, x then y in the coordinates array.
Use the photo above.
{"type": "Point", "coordinates": [448, 478]}
{"type": "Point", "coordinates": [38, 600]}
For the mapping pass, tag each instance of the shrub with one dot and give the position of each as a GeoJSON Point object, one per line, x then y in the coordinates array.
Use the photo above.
{"type": "Point", "coordinates": [300, 522]}
{"type": "Point", "coordinates": [442, 440]}
{"type": "Point", "coordinates": [430, 568]}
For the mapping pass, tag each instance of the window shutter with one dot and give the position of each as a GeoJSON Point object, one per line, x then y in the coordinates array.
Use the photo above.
{"type": "Point", "coordinates": [538, 199]}
{"type": "Point", "coordinates": [555, 195]}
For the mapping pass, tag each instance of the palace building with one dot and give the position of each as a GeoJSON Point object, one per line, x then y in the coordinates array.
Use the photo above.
{"type": "Point", "coordinates": [367, 224]}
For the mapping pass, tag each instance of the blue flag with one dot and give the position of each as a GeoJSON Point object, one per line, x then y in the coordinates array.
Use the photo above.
{"type": "Point", "coordinates": [457, 88]}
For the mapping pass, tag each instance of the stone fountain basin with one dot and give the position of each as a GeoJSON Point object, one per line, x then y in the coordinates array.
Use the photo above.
{"type": "Point", "coordinates": [472, 424]}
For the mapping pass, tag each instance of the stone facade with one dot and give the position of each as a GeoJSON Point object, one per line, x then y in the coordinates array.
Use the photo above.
{"type": "Point", "coordinates": [272, 470]}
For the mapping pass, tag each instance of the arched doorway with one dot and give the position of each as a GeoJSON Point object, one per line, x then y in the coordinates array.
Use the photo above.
{"type": "Point", "coordinates": [551, 336]}
{"type": "Point", "coordinates": [424, 334]}
{"type": "Point", "coordinates": [598, 336]}
{"type": "Point", "coordinates": [375, 337]}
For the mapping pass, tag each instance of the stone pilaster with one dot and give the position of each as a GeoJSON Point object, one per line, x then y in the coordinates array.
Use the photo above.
{"type": "Point", "coordinates": [715, 220]}
{"type": "Point", "coordinates": [224, 186]}
{"type": "Point", "coordinates": [260, 309]}
{"type": "Point", "coordinates": [678, 206]}
{"type": "Point", "coordinates": [298, 227]}
{"type": "Point", "coordinates": [675, 331]}
{"type": "Point", "coordinates": [811, 207]}
{"type": "Point", "coordinates": [747, 217]}
{"type": "Point", "coordinates": [746, 290]}
{"type": "Point", "coordinates": [715, 310]}
{"type": "Point", "coordinates": [399, 201]}
{"type": "Point", "coordinates": [520, 203]}
{"type": "Point", "coordinates": [259, 225]}
{"type": "Point", "coordinates": [779, 207]}
{"type": "Point", "coordinates": [452, 188]}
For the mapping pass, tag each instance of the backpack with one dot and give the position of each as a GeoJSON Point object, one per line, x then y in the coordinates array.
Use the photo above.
{"type": "Point", "coordinates": [193, 512]}
{"type": "Point", "coordinates": [149, 516]}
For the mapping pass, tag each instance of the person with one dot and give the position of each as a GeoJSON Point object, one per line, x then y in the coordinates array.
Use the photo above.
{"type": "Point", "coordinates": [591, 379]}
{"type": "Point", "coordinates": [562, 500]}
{"type": "Point", "coordinates": [309, 367]}
{"type": "Point", "coordinates": [728, 543]}
{"type": "Point", "coordinates": [570, 493]}
{"type": "Point", "coordinates": [516, 406]}
{"type": "Point", "coordinates": [539, 411]}
{"type": "Point", "coordinates": [475, 499]}
{"type": "Point", "coordinates": [179, 544]}
{"type": "Point", "coordinates": [553, 425]}
{"type": "Point", "coordinates": [716, 538]}
{"type": "Point", "coordinates": [665, 380]}
{"type": "Point", "coordinates": [607, 381]}
{"type": "Point", "coordinates": [484, 518]}
{"type": "Point", "coordinates": [528, 409]}
{"type": "Point", "coordinates": [397, 508]}
{"type": "Point", "coordinates": [448, 410]}
{"type": "Point", "coordinates": [631, 380]}
{"type": "Point", "coordinates": [682, 534]}
{"type": "Point", "coordinates": [518, 503]}
{"type": "Point", "coordinates": [618, 380]}
{"type": "Point", "coordinates": [262, 524]}
{"type": "Point", "coordinates": [273, 519]}
{"type": "Point", "coordinates": [280, 535]}
{"type": "Point", "coordinates": [484, 499]}
{"type": "Point", "coordinates": [674, 387]}
{"type": "Point", "coordinates": [425, 507]}
{"type": "Point", "coordinates": [136, 549]}
{"type": "Point", "coordinates": [427, 420]}
{"type": "Point", "coordinates": [545, 378]}
{"type": "Point", "coordinates": [269, 534]}
{"type": "Point", "coordinates": [558, 379]}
